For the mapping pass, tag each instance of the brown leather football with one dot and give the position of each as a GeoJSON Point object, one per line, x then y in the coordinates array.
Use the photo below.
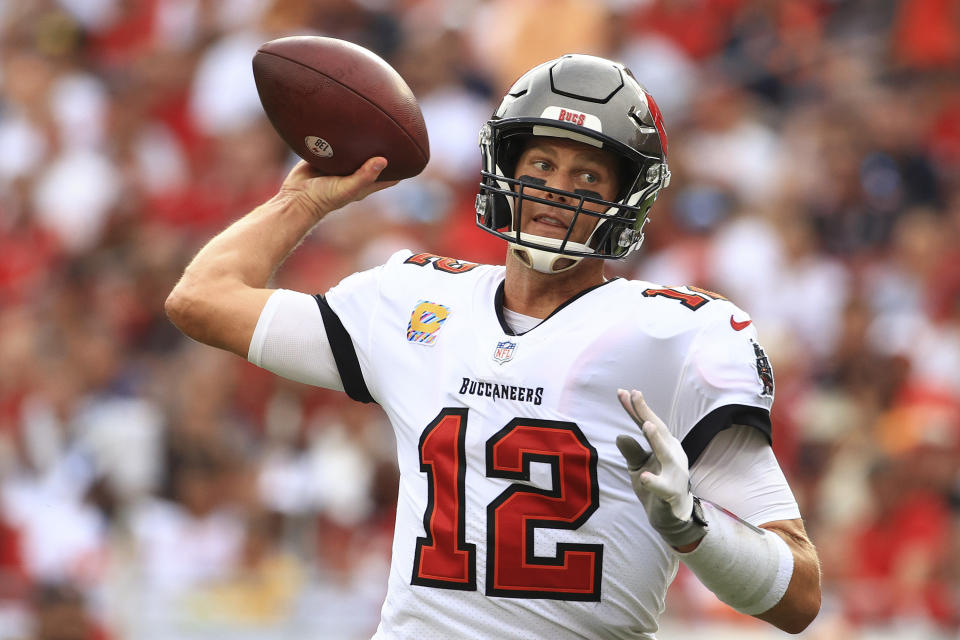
{"type": "Point", "coordinates": [336, 104]}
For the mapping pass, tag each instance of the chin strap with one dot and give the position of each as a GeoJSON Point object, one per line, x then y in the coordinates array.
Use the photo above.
{"type": "Point", "coordinates": [547, 261]}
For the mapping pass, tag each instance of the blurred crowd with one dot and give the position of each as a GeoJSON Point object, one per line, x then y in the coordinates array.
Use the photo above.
{"type": "Point", "coordinates": [153, 488]}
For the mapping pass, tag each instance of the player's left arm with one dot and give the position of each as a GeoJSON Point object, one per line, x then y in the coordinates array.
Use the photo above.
{"type": "Point", "coordinates": [801, 602]}
{"type": "Point", "coordinates": [771, 572]}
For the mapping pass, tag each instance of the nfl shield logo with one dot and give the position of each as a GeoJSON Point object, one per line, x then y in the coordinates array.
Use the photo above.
{"type": "Point", "coordinates": [504, 351]}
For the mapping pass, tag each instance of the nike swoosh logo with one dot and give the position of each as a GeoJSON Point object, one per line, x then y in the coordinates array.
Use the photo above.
{"type": "Point", "coordinates": [739, 326]}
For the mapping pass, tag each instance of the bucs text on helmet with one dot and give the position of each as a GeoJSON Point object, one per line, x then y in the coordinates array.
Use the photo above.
{"type": "Point", "coordinates": [590, 100]}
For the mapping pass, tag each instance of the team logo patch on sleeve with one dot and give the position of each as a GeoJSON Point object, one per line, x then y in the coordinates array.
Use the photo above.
{"type": "Point", "coordinates": [425, 322]}
{"type": "Point", "coordinates": [764, 369]}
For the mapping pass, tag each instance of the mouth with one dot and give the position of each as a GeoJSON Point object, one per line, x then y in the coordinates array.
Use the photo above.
{"type": "Point", "coordinates": [547, 219]}
{"type": "Point", "coordinates": [545, 224]}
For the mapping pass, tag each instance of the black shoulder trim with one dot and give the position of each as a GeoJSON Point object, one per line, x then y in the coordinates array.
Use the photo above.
{"type": "Point", "coordinates": [344, 353]}
{"type": "Point", "coordinates": [723, 418]}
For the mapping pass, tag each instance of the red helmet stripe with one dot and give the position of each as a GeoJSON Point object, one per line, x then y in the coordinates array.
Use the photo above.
{"type": "Point", "coordinates": [657, 121]}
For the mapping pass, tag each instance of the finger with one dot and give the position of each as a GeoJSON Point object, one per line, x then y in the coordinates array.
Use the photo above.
{"type": "Point", "coordinates": [368, 172]}
{"type": "Point", "coordinates": [374, 166]}
{"type": "Point", "coordinates": [642, 409]}
{"type": "Point", "coordinates": [658, 437]}
{"type": "Point", "coordinates": [363, 181]}
{"type": "Point", "coordinates": [633, 452]}
{"type": "Point", "coordinates": [657, 485]}
{"type": "Point", "coordinates": [624, 397]}
{"type": "Point", "coordinates": [636, 403]}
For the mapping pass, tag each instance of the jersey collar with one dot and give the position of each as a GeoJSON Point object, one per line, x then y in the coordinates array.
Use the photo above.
{"type": "Point", "coordinates": [498, 306]}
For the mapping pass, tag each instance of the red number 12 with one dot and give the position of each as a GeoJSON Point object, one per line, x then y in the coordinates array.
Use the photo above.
{"type": "Point", "coordinates": [444, 558]}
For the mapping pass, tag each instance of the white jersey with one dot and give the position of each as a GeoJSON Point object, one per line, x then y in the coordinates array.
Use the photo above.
{"type": "Point", "coordinates": [516, 517]}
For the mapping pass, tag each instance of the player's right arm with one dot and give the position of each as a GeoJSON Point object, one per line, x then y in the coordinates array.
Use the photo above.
{"type": "Point", "coordinates": [222, 292]}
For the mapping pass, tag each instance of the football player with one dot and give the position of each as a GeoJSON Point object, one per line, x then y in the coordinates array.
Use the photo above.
{"type": "Point", "coordinates": [535, 403]}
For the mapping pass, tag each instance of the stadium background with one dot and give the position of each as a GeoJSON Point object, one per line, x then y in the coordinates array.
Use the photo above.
{"type": "Point", "coordinates": [153, 488]}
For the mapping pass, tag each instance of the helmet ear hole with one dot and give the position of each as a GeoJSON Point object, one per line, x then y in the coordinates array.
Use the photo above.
{"type": "Point", "coordinates": [509, 153]}
{"type": "Point", "coordinates": [600, 236]}
{"type": "Point", "coordinates": [500, 215]}
{"type": "Point", "coordinates": [493, 211]}
{"type": "Point", "coordinates": [628, 175]}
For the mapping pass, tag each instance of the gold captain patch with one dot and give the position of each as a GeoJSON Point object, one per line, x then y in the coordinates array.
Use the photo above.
{"type": "Point", "coordinates": [425, 321]}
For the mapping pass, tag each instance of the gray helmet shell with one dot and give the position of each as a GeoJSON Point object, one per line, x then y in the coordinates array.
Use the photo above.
{"type": "Point", "coordinates": [591, 100]}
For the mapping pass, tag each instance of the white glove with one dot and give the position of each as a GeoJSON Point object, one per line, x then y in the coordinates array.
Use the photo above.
{"type": "Point", "coordinates": [661, 477]}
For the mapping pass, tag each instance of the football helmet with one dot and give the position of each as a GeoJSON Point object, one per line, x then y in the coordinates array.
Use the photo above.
{"type": "Point", "coordinates": [587, 99]}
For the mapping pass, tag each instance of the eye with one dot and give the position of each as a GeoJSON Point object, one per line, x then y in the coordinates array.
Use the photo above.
{"type": "Point", "coordinates": [589, 177]}
{"type": "Point", "coordinates": [542, 165]}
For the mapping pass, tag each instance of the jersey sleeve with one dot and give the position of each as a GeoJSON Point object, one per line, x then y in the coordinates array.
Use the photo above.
{"type": "Point", "coordinates": [739, 472]}
{"type": "Point", "coordinates": [726, 379]}
{"type": "Point", "coordinates": [291, 341]}
{"type": "Point", "coordinates": [351, 311]}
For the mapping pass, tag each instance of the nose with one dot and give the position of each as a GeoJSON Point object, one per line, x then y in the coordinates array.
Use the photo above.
{"type": "Point", "coordinates": [557, 183]}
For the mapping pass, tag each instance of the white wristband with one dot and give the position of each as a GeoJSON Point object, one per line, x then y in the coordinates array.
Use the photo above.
{"type": "Point", "coordinates": [745, 566]}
